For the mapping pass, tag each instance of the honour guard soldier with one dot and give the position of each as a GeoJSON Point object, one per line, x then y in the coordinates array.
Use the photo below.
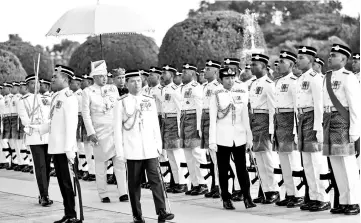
{"type": "Point", "coordinates": [230, 133]}
{"type": "Point", "coordinates": [285, 129]}
{"type": "Point", "coordinates": [136, 118]}
{"type": "Point", "coordinates": [341, 124]}
{"type": "Point", "coordinates": [13, 142]}
{"type": "Point", "coordinates": [262, 111]}
{"type": "Point", "coordinates": [211, 73]}
{"type": "Point", "coordinates": [23, 148]}
{"type": "Point", "coordinates": [75, 83]}
{"type": "Point", "coordinates": [177, 79]}
{"type": "Point", "coordinates": [310, 133]}
{"type": "Point", "coordinates": [62, 125]}
{"type": "Point", "coordinates": [45, 87]}
{"type": "Point", "coordinates": [247, 77]}
{"type": "Point", "coordinates": [33, 112]}
{"type": "Point", "coordinates": [98, 113]}
{"type": "Point", "coordinates": [318, 65]}
{"type": "Point", "coordinates": [119, 81]}
{"type": "Point", "coordinates": [356, 65]}
{"type": "Point", "coordinates": [6, 119]}
{"type": "Point", "coordinates": [3, 162]}
{"type": "Point", "coordinates": [190, 129]}
{"type": "Point", "coordinates": [171, 108]}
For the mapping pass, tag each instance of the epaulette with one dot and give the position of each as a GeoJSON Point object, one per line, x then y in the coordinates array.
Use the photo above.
{"type": "Point", "coordinates": [25, 96]}
{"type": "Point", "coordinates": [69, 93]}
{"type": "Point", "coordinates": [195, 84]}
{"type": "Point", "coordinates": [147, 96]}
{"type": "Point", "coordinates": [313, 73]}
{"type": "Point", "coordinates": [269, 81]}
{"type": "Point", "coordinates": [122, 97]}
{"type": "Point", "coordinates": [79, 93]}
{"type": "Point", "coordinates": [237, 81]}
{"type": "Point", "coordinates": [293, 77]}
{"type": "Point", "coordinates": [346, 72]}
{"type": "Point", "coordinates": [174, 87]}
{"type": "Point", "coordinates": [216, 83]}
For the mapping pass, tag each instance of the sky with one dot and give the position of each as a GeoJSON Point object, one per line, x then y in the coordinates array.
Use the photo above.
{"type": "Point", "coordinates": [32, 19]}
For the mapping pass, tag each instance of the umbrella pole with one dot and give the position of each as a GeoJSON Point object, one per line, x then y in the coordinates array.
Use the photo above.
{"type": "Point", "coordinates": [101, 46]}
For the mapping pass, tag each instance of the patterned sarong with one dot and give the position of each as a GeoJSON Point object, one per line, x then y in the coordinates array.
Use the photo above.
{"type": "Point", "coordinates": [188, 134]}
{"type": "Point", "coordinates": [14, 127]}
{"type": "Point", "coordinates": [336, 138]}
{"type": "Point", "coordinates": [307, 141]}
{"type": "Point", "coordinates": [284, 138]}
{"type": "Point", "coordinates": [169, 130]}
{"type": "Point", "coordinates": [21, 130]}
{"type": "Point", "coordinates": [260, 132]}
{"type": "Point", "coordinates": [205, 130]}
{"type": "Point", "coordinates": [6, 128]}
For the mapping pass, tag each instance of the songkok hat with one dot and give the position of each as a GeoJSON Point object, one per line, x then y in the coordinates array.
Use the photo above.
{"type": "Point", "coordinates": [213, 63]}
{"type": "Point", "coordinates": [260, 57]}
{"type": "Point", "coordinates": [309, 50]}
{"type": "Point", "coordinates": [287, 55]}
{"type": "Point", "coordinates": [98, 68]}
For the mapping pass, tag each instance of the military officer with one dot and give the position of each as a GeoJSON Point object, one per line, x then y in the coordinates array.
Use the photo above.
{"type": "Point", "coordinates": [3, 161]}
{"type": "Point", "coordinates": [310, 133]}
{"type": "Point", "coordinates": [136, 118]}
{"type": "Point", "coordinates": [230, 133]}
{"type": "Point", "coordinates": [14, 141]}
{"type": "Point", "coordinates": [318, 65]}
{"type": "Point", "coordinates": [119, 81]}
{"type": "Point", "coordinates": [45, 88]}
{"type": "Point", "coordinates": [98, 113]}
{"type": "Point", "coordinates": [6, 119]}
{"type": "Point", "coordinates": [190, 129]}
{"type": "Point", "coordinates": [356, 65]}
{"type": "Point", "coordinates": [247, 77]}
{"type": "Point", "coordinates": [32, 111]}
{"type": "Point", "coordinates": [262, 108]}
{"type": "Point", "coordinates": [285, 129]}
{"type": "Point", "coordinates": [211, 72]}
{"type": "Point", "coordinates": [341, 125]}
{"type": "Point", "coordinates": [177, 78]}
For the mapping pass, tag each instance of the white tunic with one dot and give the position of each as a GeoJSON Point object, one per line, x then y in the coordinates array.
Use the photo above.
{"type": "Point", "coordinates": [191, 98]}
{"type": "Point", "coordinates": [136, 128]}
{"type": "Point", "coordinates": [209, 90]}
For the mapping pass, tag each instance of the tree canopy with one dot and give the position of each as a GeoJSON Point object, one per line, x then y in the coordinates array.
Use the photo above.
{"type": "Point", "coordinates": [28, 55]}
{"type": "Point", "coordinates": [210, 35]}
{"type": "Point", "coordinates": [10, 67]}
{"type": "Point", "coordinates": [131, 51]}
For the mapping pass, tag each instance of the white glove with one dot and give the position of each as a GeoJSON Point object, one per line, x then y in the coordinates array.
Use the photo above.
{"type": "Point", "coordinates": [71, 156]}
{"type": "Point", "coordinates": [213, 147]}
{"type": "Point", "coordinates": [319, 136]}
{"type": "Point", "coordinates": [353, 138]}
{"type": "Point", "coordinates": [29, 129]}
{"type": "Point", "coordinates": [295, 139]}
{"type": "Point", "coordinates": [200, 133]}
{"type": "Point", "coordinates": [249, 145]}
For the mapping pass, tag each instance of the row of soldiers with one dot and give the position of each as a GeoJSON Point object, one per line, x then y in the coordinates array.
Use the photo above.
{"type": "Point", "coordinates": [286, 116]}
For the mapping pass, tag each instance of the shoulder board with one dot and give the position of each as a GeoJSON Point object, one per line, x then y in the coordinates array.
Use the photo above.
{"type": "Point", "coordinates": [346, 72]}
{"type": "Point", "coordinates": [69, 93]}
{"type": "Point", "coordinates": [148, 96]}
{"type": "Point", "coordinates": [195, 84]}
{"type": "Point", "coordinates": [79, 93]}
{"type": "Point", "coordinates": [313, 73]}
{"type": "Point", "coordinates": [293, 78]}
{"type": "Point", "coordinates": [25, 96]}
{"type": "Point", "coordinates": [216, 83]}
{"type": "Point", "coordinates": [122, 97]}
{"type": "Point", "coordinates": [237, 81]}
{"type": "Point", "coordinates": [269, 81]}
{"type": "Point", "coordinates": [174, 87]}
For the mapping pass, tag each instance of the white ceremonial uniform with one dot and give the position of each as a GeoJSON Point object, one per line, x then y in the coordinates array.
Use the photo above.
{"type": "Point", "coordinates": [250, 81]}
{"type": "Point", "coordinates": [170, 104]}
{"type": "Point", "coordinates": [2, 144]}
{"type": "Point", "coordinates": [82, 165]}
{"type": "Point", "coordinates": [134, 119]}
{"type": "Point", "coordinates": [194, 156]}
{"type": "Point", "coordinates": [7, 113]}
{"type": "Point", "coordinates": [345, 167]}
{"type": "Point", "coordinates": [309, 95]}
{"type": "Point", "coordinates": [14, 142]}
{"type": "Point", "coordinates": [208, 91]}
{"type": "Point", "coordinates": [261, 97]}
{"type": "Point", "coordinates": [98, 114]}
{"type": "Point", "coordinates": [285, 97]}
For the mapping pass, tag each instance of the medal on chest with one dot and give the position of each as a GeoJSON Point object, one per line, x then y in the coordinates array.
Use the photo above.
{"type": "Point", "coordinates": [284, 87]}
{"type": "Point", "coordinates": [167, 97]}
{"type": "Point", "coordinates": [305, 85]}
{"type": "Point", "coordinates": [188, 93]}
{"type": "Point", "coordinates": [208, 93]}
{"type": "Point", "coordinates": [259, 90]}
{"type": "Point", "coordinates": [145, 105]}
{"type": "Point", "coordinates": [336, 85]}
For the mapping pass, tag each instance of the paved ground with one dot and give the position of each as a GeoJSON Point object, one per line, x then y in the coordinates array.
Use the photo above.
{"type": "Point", "coordinates": [18, 203]}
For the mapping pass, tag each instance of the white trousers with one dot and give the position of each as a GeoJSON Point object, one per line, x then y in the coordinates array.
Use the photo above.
{"type": "Point", "coordinates": [194, 158]}
{"type": "Point", "coordinates": [176, 157]}
{"type": "Point", "coordinates": [21, 148]}
{"type": "Point", "coordinates": [347, 178]}
{"type": "Point", "coordinates": [101, 176]}
{"type": "Point", "coordinates": [213, 155]}
{"type": "Point", "coordinates": [88, 149]}
{"type": "Point", "coordinates": [291, 162]}
{"type": "Point", "coordinates": [164, 158]}
{"type": "Point", "coordinates": [266, 164]}
{"type": "Point", "coordinates": [315, 164]}
{"type": "Point", "coordinates": [3, 154]}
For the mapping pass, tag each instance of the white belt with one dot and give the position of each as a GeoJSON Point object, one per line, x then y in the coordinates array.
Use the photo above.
{"type": "Point", "coordinates": [169, 115]}
{"type": "Point", "coordinates": [284, 110]}
{"type": "Point", "coordinates": [304, 110]}
{"type": "Point", "coordinates": [259, 111]}
{"type": "Point", "coordinates": [193, 111]}
{"type": "Point", "coordinates": [329, 109]}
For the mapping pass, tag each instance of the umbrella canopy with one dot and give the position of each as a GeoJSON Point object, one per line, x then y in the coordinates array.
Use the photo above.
{"type": "Point", "coordinates": [99, 19]}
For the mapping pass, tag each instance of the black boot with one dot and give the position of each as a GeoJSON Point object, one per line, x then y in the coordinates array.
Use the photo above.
{"type": "Point", "coordinates": [46, 202]}
{"type": "Point", "coordinates": [181, 188]}
{"type": "Point", "coordinates": [352, 209]}
{"type": "Point", "coordinates": [202, 189]}
{"type": "Point", "coordinates": [138, 219]}
{"type": "Point", "coordinates": [227, 204]}
{"type": "Point", "coordinates": [163, 215]}
{"type": "Point", "coordinates": [212, 192]}
{"type": "Point", "coordinates": [340, 209]}
{"type": "Point", "coordinates": [248, 202]}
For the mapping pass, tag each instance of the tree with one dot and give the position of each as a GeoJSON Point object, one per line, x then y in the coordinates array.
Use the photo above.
{"type": "Point", "coordinates": [61, 53]}
{"type": "Point", "coordinates": [131, 51]}
{"type": "Point", "coordinates": [210, 35]}
{"type": "Point", "coordinates": [10, 67]}
{"type": "Point", "coordinates": [28, 55]}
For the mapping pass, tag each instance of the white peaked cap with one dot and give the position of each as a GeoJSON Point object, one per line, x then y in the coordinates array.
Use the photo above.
{"type": "Point", "coordinates": [98, 68]}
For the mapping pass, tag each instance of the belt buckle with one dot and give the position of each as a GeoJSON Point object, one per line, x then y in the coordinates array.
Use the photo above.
{"type": "Point", "coordinates": [328, 109]}
{"type": "Point", "coordinates": [277, 110]}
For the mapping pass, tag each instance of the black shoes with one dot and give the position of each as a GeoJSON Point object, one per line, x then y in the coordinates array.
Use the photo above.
{"type": "Point", "coordinates": [67, 219]}
{"type": "Point", "coordinates": [200, 189]}
{"type": "Point", "coordinates": [295, 202]}
{"type": "Point", "coordinates": [124, 198]}
{"type": "Point", "coordinates": [307, 205]}
{"type": "Point", "coordinates": [163, 215]}
{"type": "Point", "coordinates": [180, 188]}
{"type": "Point", "coordinates": [272, 197]}
{"type": "Point", "coordinates": [351, 209]}
{"type": "Point", "coordinates": [214, 193]}
{"type": "Point", "coordinates": [259, 200]}
{"type": "Point", "coordinates": [46, 202]}
{"type": "Point", "coordinates": [237, 196]}
{"type": "Point", "coordinates": [284, 202]}
{"type": "Point", "coordinates": [228, 205]}
{"type": "Point", "coordinates": [105, 200]}
{"type": "Point", "coordinates": [320, 206]}
{"type": "Point", "coordinates": [138, 219]}
{"type": "Point", "coordinates": [248, 203]}
{"type": "Point", "coordinates": [171, 188]}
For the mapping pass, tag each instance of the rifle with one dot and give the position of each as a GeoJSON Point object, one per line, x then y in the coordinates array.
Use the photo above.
{"type": "Point", "coordinates": [254, 163]}
{"type": "Point", "coordinates": [331, 178]}
{"type": "Point", "coordinates": [77, 189]}
{"type": "Point", "coordinates": [279, 171]}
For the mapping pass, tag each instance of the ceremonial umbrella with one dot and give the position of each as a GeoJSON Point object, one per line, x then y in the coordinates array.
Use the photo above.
{"type": "Point", "coordinates": [99, 19]}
